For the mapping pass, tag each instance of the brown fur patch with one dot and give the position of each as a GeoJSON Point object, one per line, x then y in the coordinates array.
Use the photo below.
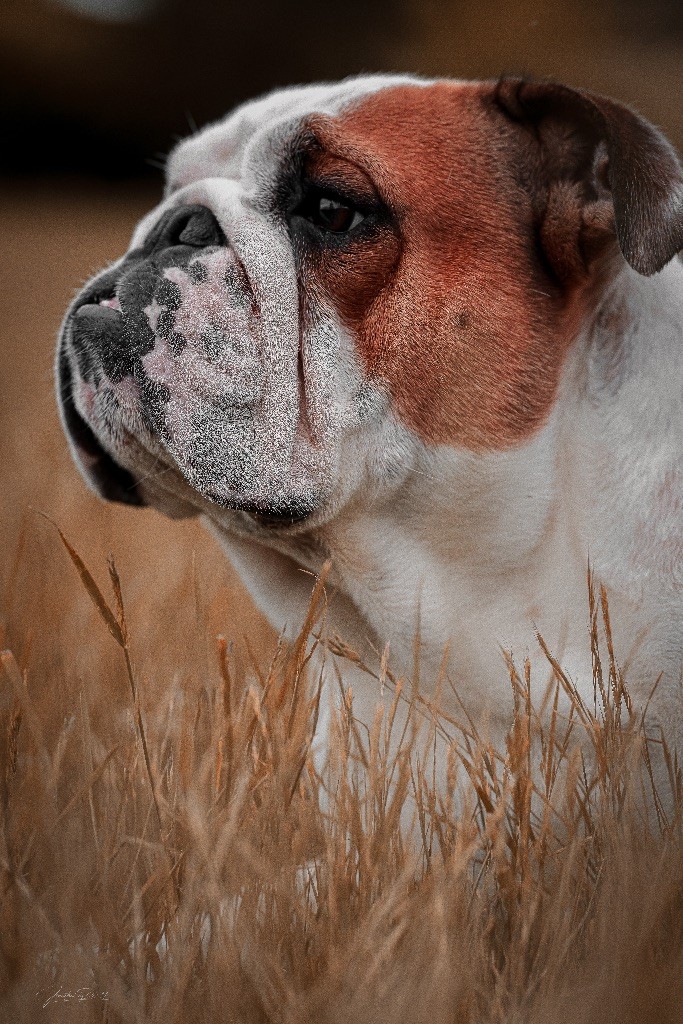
{"type": "Point", "coordinates": [452, 310]}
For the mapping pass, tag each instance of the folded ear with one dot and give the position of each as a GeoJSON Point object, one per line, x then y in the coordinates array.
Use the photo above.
{"type": "Point", "coordinates": [595, 151]}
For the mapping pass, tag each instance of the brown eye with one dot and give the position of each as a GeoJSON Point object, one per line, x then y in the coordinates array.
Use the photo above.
{"type": "Point", "coordinates": [334, 215]}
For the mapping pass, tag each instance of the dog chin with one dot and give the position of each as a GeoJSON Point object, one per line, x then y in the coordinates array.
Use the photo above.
{"type": "Point", "coordinates": [155, 479]}
{"type": "Point", "coordinates": [231, 511]}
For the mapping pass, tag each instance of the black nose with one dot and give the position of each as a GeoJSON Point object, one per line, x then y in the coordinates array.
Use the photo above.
{"type": "Point", "coordinates": [187, 225]}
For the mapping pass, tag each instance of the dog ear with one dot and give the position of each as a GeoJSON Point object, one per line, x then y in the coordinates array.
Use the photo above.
{"type": "Point", "coordinates": [603, 168]}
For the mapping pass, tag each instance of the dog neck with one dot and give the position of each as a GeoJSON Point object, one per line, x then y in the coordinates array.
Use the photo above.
{"type": "Point", "coordinates": [628, 434]}
{"type": "Point", "coordinates": [498, 545]}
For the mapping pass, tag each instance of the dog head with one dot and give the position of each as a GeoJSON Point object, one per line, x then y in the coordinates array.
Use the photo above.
{"type": "Point", "coordinates": [339, 275]}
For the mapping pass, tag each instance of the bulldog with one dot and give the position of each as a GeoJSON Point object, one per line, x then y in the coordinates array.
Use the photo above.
{"type": "Point", "coordinates": [430, 331]}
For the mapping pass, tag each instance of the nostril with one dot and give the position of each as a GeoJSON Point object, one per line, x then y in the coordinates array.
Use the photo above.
{"type": "Point", "coordinates": [202, 229]}
{"type": "Point", "coordinates": [191, 225]}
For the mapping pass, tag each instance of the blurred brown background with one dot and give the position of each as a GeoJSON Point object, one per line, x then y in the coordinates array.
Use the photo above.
{"type": "Point", "coordinates": [92, 94]}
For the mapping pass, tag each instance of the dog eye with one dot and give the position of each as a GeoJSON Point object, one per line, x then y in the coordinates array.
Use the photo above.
{"type": "Point", "coordinates": [333, 214]}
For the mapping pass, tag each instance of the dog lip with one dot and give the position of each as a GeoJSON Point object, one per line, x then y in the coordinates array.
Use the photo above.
{"type": "Point", "coordinates": [111, 302]}
{"type": "Point", "coordinates": [273, 520]}
{"type": "Point", "coordinates": [268, 518]}
{"type": "Point", "coordinates": [98, 309]}
{"type": "Point", "coordinates": [105, 475]}
{"type": "Point", "coordinates": [99, 294]}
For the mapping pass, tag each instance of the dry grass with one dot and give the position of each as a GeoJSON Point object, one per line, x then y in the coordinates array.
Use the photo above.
{"type": "Point", "coordinates": [179, 858]}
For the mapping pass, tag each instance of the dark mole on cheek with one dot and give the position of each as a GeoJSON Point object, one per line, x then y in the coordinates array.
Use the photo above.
{"type": "Point", "coordinates": [167, 293]}
{"type": "Point", "coordinates": [176, 343]}
{"type": "Point", "coordinates": [154, 398]}
{"type": "Point", "coordinates": [165, 322]}
{"type": "Point", "coordinates": [197, 272]}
